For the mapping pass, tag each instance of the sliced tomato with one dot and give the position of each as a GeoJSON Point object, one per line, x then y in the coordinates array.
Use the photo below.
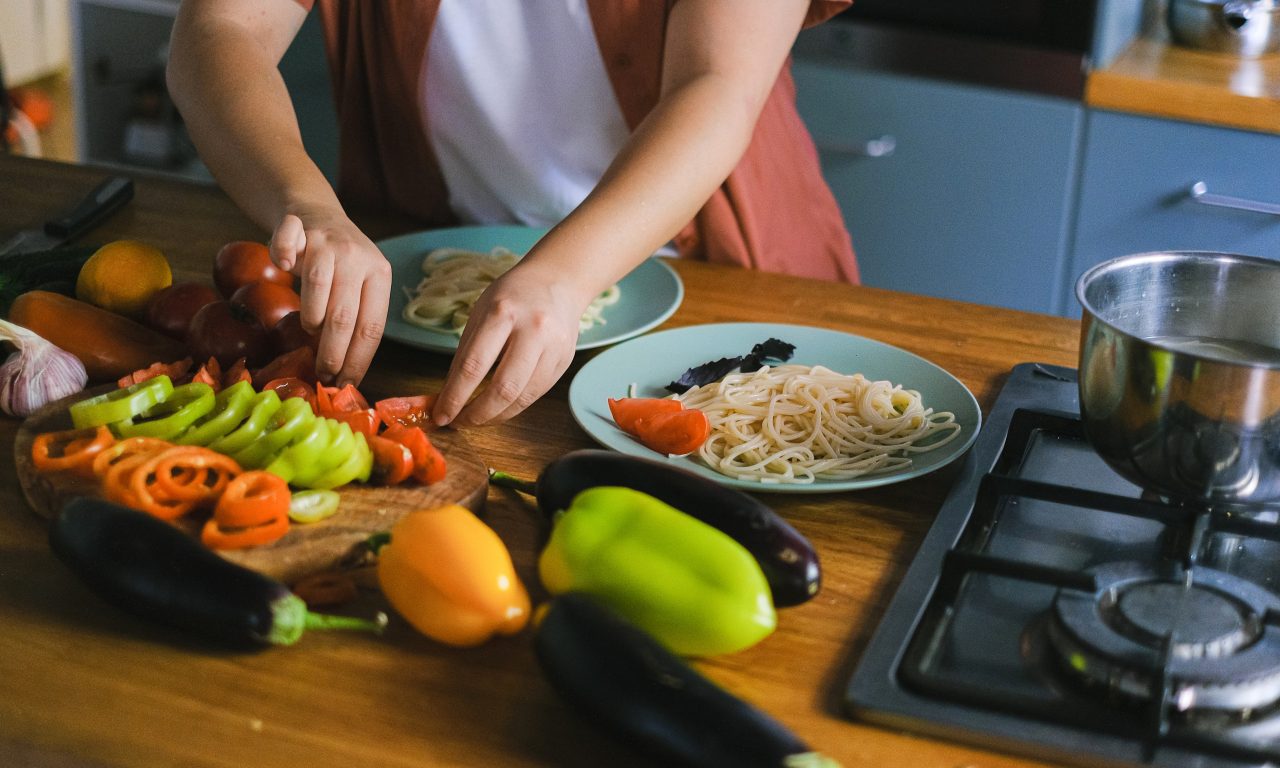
{"type": "Point", "coordinates": [347, 398]}
{"type": "Point", "coordinates": [299, 363]}
{"type": "Point", "coordinates": [238, 371]}
{"type": "Point", "coordinates": [428, 462]}
{"type": "Point", "coordinates": [392, 460]}
{"type": "Point", "coordinates": [175, 371]}
{"type": "Point", "coordinates": [210, 373]}
{"type": "Point", "coordinates": [628, 411]}
{"type": "Point", "coordinates": [364, 421]}
{"type": "Point", "coordinates": [291, 386]}
{"type": "Point", "coordinates": [413, 411]}
{"type": "Point", "coordinates": [675, 432]}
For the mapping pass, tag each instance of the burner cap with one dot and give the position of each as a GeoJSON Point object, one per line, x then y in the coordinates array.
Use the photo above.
{"type": "Point", "coordinates": [1203, 634]}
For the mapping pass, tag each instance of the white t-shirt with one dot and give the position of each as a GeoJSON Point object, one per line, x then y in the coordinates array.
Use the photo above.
{"type": "Point", "coordinates": [522, 117]}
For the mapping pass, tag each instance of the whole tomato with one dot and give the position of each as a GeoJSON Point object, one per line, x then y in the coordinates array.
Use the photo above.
{"type": "Point", "coordinates": [228, 331]}
{"type": "Point", "coordinates": [288, 335]}
{"type": "Point", "coordinates": [268, 301]}
{"type": "Point", "coordinates": [170, 311]}
{"type": "Point", "coordinates": [243, 262]}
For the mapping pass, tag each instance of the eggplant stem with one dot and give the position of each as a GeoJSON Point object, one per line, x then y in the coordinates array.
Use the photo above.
{"type": "Point", "coordinates": [504, 480]}
{"type": "Point", "coordinates": [330, 621]}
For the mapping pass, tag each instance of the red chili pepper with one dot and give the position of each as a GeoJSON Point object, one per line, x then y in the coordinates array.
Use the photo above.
{"type": "Point", "coordinates": [628, 411]}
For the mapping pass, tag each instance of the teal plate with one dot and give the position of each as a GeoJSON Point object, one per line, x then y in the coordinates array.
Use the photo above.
{"type": "Point", "coordinates": [650, 293]}
{"type": "Point", "coordinates": [651, 362]}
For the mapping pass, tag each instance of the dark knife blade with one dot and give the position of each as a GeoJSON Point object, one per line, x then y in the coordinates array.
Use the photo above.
{"type": "Point", "coordinates": [104, 200]}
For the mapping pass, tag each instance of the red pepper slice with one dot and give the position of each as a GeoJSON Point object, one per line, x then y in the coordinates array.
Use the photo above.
{"type": "Point", "coordinates": [414, 411]}
{"type": "Point", "coordinates": [428, 462]}
{"type": "Point", "coordinates": [71, 449]}
{"type": "Point", "coordinates": [628, 411]}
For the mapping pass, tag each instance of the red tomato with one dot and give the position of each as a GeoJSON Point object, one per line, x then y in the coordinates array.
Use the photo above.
{"type": "Point", "coordinates": [170, 311]}
{"type": "Point", "coordinates": [364, 421]}
{"type": "Point", "coordinates": [412, 411]}
{"type": "Point", "coordinates": [243, 262]}
{"type": "Point", "coordinates": [287, 334]}
{"type": "Point", "coordinates": [300, 364]}
{"type": "Point", "coordinates": [269, 302]}
{"type": "Point", "coordinates": [332, 401]}
{"type": "Point", "coordinates": [392, 461]}
{"type": "Point", "coordinates": [228, 332]}
{"type": "Point", "coordinates": [291, 386]}
{"type": "Point", "coordinates": [428, 462]}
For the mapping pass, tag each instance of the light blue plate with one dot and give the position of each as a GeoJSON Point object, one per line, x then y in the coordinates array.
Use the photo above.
{"type": "Point", "coordinates": [651, 362]}
{"type": "Point", "coordinates": [650, 293]}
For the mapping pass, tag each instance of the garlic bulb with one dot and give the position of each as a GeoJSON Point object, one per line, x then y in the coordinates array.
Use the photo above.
{"type": "Point", "coordinates": [37, 372]}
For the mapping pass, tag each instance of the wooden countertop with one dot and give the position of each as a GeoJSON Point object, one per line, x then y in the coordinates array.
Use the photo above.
{"type": "Point", "coordinates": [1155, 77]}
{"type": "Point", "coordinates": [82, 685]}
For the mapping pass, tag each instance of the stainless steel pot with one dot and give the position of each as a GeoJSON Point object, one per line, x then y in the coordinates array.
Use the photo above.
{"type": "Point", "coordinates": [1246, 28]}
{"type": "Point", "coordinates": [1180, 373]}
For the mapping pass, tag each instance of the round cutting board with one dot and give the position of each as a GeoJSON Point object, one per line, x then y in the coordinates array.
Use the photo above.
{"type": "Point", "coordinates": [305, 549]}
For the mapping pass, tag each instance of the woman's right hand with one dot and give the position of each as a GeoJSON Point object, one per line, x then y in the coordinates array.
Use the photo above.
{"type": "Point", "coordinates": [346, 286]}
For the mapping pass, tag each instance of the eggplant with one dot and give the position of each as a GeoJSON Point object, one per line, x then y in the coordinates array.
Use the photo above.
{"type": "Point", "coordinates": [150, 568]}
{"type": "Point", "coordinates": [788, 560]}
{"type": "Point", "coordinates": [629, 684]}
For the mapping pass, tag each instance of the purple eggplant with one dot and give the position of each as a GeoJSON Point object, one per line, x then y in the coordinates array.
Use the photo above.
{"type": "Point", "coordinates": [788, 560]}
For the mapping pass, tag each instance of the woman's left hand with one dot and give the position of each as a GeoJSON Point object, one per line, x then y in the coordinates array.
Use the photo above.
{"type": "Point", "coordinates": [528, 324]}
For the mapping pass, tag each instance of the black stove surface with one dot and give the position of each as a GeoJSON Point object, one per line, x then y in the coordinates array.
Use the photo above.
{"type": "Point", "coordinates": [1054, 610]}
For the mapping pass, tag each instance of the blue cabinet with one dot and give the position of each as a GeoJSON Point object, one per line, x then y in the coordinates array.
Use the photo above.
{"type": "Point", "coordinates": [1136, 192]}
{"type": "Point", "coordinates": [952, 190]}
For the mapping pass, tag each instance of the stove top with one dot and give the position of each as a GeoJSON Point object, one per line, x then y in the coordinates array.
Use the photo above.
{"type": "Point", "coordinates": [1057, 611]}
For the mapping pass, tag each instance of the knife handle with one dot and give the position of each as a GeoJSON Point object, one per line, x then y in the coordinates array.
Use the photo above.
{"type": "Point", "coordinates": [104, 200]}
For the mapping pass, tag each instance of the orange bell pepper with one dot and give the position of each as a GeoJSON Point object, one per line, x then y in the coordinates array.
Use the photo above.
{"type": "Point", "coordinates": [450, 576]}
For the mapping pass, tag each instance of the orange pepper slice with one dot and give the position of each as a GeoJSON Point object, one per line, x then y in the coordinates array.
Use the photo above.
{"type": "Point", "coordinates": [113, 453]}
{"type": "Point", "coordinates": [215, 536]}
{"type": "Point", "coordinates": [254, 498]}
{"type": "Point", "coordinates": [71, 449]}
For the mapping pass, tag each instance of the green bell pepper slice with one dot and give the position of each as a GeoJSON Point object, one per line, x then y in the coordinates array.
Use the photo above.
{"type": "Point", "coordinates": [303, 452]}
{"type": "Point", "coordinates": [120, 404]}
{"type": "Point", "coordinates": [357, 466]}
{"type": "Point", "coordinates": [230, 407]}
{"type": "Point", "coordinates": [264, 406]}
{"type": "Point", "coordinates": [691, 586]}
{"type": "Point", "coordinates": [342, 442]}
{"type": "Point", "coordinates": [293, 418]}
{"type": "Point", "coordinates": [171, 417]}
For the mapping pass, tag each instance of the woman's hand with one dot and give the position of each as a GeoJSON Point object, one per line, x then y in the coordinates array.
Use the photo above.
{"type": "Point", "coordinates": [528, 323]}
{"type": "Point", "coordinates": [346, 284]}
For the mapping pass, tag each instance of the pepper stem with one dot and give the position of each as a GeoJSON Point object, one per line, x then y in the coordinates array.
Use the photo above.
{"type": "Point", "coordinates": [290, 618]}
{"type": "Point", "coordinates": [330, 621]}
{"type": "Point", "coordinates": [504, 480]}
{"type": "Point", "coordinates": [377, 541]}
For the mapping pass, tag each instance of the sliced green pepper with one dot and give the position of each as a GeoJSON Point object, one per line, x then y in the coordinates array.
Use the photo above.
{"type": "Point", "coordinates": [304, 451]}
{"type": "Point", "coordinates": [265, 405]}
{"type": "Point", "coordinates": [356, 466]}
{"type": "Point", "coordinates": [171, 417]}
{"type": "Point", "coordinates": [230, 407]}
{"type": "Point", "coordinates": [342, 441]}
{"type": "Point", "coordinates": [293, 418]}
{"type": "Point", "coordinates": [120, 404]}
{"type": "Point", "coordinates": [690, 585]}
{"type": "Point", "coordinates": [313, 506]}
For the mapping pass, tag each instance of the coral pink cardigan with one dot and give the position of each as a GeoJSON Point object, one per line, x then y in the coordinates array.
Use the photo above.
{"type": "Point", "coordinates": [774, 213]}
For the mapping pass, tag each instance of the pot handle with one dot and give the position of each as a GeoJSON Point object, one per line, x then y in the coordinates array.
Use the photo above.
{"type": "Point", "coordinates": [881, 146]}
{"type": "Point", "coordinates": [1199, 192]}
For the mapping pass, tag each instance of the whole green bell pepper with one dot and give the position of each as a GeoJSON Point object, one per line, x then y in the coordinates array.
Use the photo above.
{"type": "Point", "coordinates": [691, 586]}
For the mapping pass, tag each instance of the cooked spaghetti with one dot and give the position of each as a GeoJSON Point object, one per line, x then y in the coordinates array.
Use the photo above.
{"type": "Point", "coordinates": [455, 278]}
{"type": "Point", "coordinates": [799, 424]}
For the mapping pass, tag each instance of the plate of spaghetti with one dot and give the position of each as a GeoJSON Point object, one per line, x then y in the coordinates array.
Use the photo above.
{"type": "Point", "coordinates": [438, 274]}
{"type": "Point", "coordinates": [844, 412]}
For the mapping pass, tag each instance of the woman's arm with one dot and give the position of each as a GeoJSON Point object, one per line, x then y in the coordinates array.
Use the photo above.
{"type": "Point", "coordinates": [224, 77]}
{"type": "Point", "coordinates": [720, 63]}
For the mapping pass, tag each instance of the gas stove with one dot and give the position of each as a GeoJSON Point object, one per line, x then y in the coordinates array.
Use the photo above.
{"type": "Point", "coordinates": [1056, 610]}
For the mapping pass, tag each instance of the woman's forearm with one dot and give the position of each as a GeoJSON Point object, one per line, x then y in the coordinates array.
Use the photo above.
{"type": "Point", "coordinates": [224, 78]}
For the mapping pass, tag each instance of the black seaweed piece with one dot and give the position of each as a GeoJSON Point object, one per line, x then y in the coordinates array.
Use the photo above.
{"type": "Point", "coordinates": [769, 349]}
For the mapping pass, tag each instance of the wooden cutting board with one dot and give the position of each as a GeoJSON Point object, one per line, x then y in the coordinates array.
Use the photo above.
{"type": "Point", "coordinates": [305, 549]}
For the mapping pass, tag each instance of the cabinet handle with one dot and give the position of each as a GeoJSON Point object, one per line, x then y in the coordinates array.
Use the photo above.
{"type": "Point", "coordinates": [1199, 192]}
{"type": "Point", "coordinates": [881, 146]}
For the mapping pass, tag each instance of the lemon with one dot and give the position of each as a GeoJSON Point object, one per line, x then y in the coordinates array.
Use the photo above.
{"type": "Point", "coordinates": [122, 276]}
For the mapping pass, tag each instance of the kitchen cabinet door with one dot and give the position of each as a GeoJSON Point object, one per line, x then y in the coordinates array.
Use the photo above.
{"type": "Point", "coordinates": [948, 189]}
{"type": "Point", "coordinates": [1136, 191]}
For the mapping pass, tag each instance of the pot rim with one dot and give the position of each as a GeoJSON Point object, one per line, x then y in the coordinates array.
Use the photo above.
{"type": "Point", "coordinates": [1261, 5]}
{"type": "Point", "coordinates": [1154, 257]}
